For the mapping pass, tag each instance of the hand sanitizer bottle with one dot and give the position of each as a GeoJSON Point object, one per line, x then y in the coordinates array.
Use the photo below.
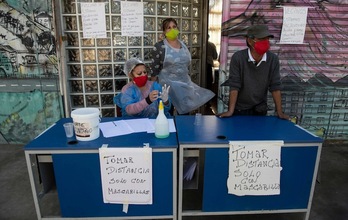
{"type": "Point", "coordinates": [161, 123]}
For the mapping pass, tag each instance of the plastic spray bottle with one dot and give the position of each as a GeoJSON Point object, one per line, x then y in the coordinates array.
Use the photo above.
{"type": "Point", "coordinates": [161, 123]}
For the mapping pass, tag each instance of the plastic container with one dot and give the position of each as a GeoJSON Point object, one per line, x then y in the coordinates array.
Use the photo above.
{"type": "Point", "coordinates": [86, 123]}
{"type": "Point", "coordinates": [161, 123]}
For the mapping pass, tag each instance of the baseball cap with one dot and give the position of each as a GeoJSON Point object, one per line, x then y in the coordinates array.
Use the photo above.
{"type": "Point", "coordinates": [259, 31]}
{"type": "Point", "coordinates": [131, 64]}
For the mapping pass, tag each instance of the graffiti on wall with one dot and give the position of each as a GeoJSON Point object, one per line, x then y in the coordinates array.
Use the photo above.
{"type": "Point", "coordinates": [28, 114]}
{"type": "Point", "coordinates": [27, 42]}
{"type": "Point", "coordinates": [29, 92]}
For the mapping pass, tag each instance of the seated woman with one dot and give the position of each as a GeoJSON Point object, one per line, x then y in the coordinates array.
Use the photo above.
{"type": "Point", "coordinates": [140, 97]}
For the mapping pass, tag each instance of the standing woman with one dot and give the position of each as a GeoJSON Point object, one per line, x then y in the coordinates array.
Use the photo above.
{"type": "Point", "coordinates": [170, 65]}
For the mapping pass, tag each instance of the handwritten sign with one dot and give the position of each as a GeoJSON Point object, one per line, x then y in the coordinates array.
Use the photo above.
{"type": "Point", "coordinates": [132, 19]}
{"type": "Point", "coordinates": [126, 175]}
{"type": "Point", "coordinates": [93, 20]}
{"type": "Point", "coordinates": [294, 25]}
{"type": "Point", "coordinates": [254, 168]}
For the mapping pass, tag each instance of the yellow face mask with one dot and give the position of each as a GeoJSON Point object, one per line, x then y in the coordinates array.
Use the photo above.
{"type": "Point", "coordinates": [172, 34]}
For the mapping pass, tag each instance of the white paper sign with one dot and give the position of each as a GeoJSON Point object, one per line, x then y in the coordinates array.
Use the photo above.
{"type": "Point", "coordinates": [93, 20]}
{"type": "Point", "coordinates": [254, 168]}
{"type": "Point", "coordinates": [132, 18]}
{"type": "Point", "coordinates": [294, 25]}
{"type": "Point", "coordinates": [126, 175]}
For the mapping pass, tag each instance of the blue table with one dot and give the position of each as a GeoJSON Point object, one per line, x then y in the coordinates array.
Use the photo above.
{"type": "Point", "coordinates": [300, 157]}
{"type": "Point", "coordinates": [78, 180]}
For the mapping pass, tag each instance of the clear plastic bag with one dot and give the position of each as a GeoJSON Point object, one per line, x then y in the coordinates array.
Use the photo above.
{"type": "Point", "coordinates": [188, 96]}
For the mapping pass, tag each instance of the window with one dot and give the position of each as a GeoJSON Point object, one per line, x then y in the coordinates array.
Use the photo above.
{"type": "Point", "coordinates": [322, 109]}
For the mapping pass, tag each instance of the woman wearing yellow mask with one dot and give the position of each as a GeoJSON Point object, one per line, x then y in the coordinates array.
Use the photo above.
{"type": "Point", "coordinates": [170, 65]}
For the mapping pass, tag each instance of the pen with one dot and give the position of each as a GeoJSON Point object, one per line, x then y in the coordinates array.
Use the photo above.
{"type": "Point", "coordinates": [114, 124]}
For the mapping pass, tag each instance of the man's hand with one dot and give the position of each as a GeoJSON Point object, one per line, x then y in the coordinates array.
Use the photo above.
{"type": "Point", "coordinates": [282, 115]}
{"type": "Point", "coordinates": [224, 114]}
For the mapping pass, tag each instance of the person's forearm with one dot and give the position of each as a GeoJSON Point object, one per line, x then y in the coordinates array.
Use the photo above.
{"type": "Point", "coordinates": [232, 100]}
{"type": "Point", "coordinates": [136, 108]}
{"type": "Point", "coordinates": [231, 104]}
{"type": "Point", "coordinates": [277, 100]}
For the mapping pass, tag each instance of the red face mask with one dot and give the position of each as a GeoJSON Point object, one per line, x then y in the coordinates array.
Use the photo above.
{"type": "Point", "coordinates": [261, 46]}
{"type": "Point", "coordinates": [140, 81]}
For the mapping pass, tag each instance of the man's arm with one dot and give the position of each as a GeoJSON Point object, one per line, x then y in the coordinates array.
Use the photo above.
{"type": "Point", "coordinates": [215, 55]}
{"type": "Point", "coordinates": [231, 104]}
{"type": "Point", "coordinates": [277, 98]}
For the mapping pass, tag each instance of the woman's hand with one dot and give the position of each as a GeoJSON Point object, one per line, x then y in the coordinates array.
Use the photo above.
{"type": "Point", "coordinates": [164, 93]}
{"type": "Point", "coordinates": [153, 96]}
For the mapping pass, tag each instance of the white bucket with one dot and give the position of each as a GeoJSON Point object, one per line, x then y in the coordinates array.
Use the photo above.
{"type": "Point", "coordinates": [86, 123]}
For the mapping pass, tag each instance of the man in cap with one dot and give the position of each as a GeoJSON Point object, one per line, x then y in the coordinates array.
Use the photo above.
{"type": "Point", "coordinates": [253, 72]}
